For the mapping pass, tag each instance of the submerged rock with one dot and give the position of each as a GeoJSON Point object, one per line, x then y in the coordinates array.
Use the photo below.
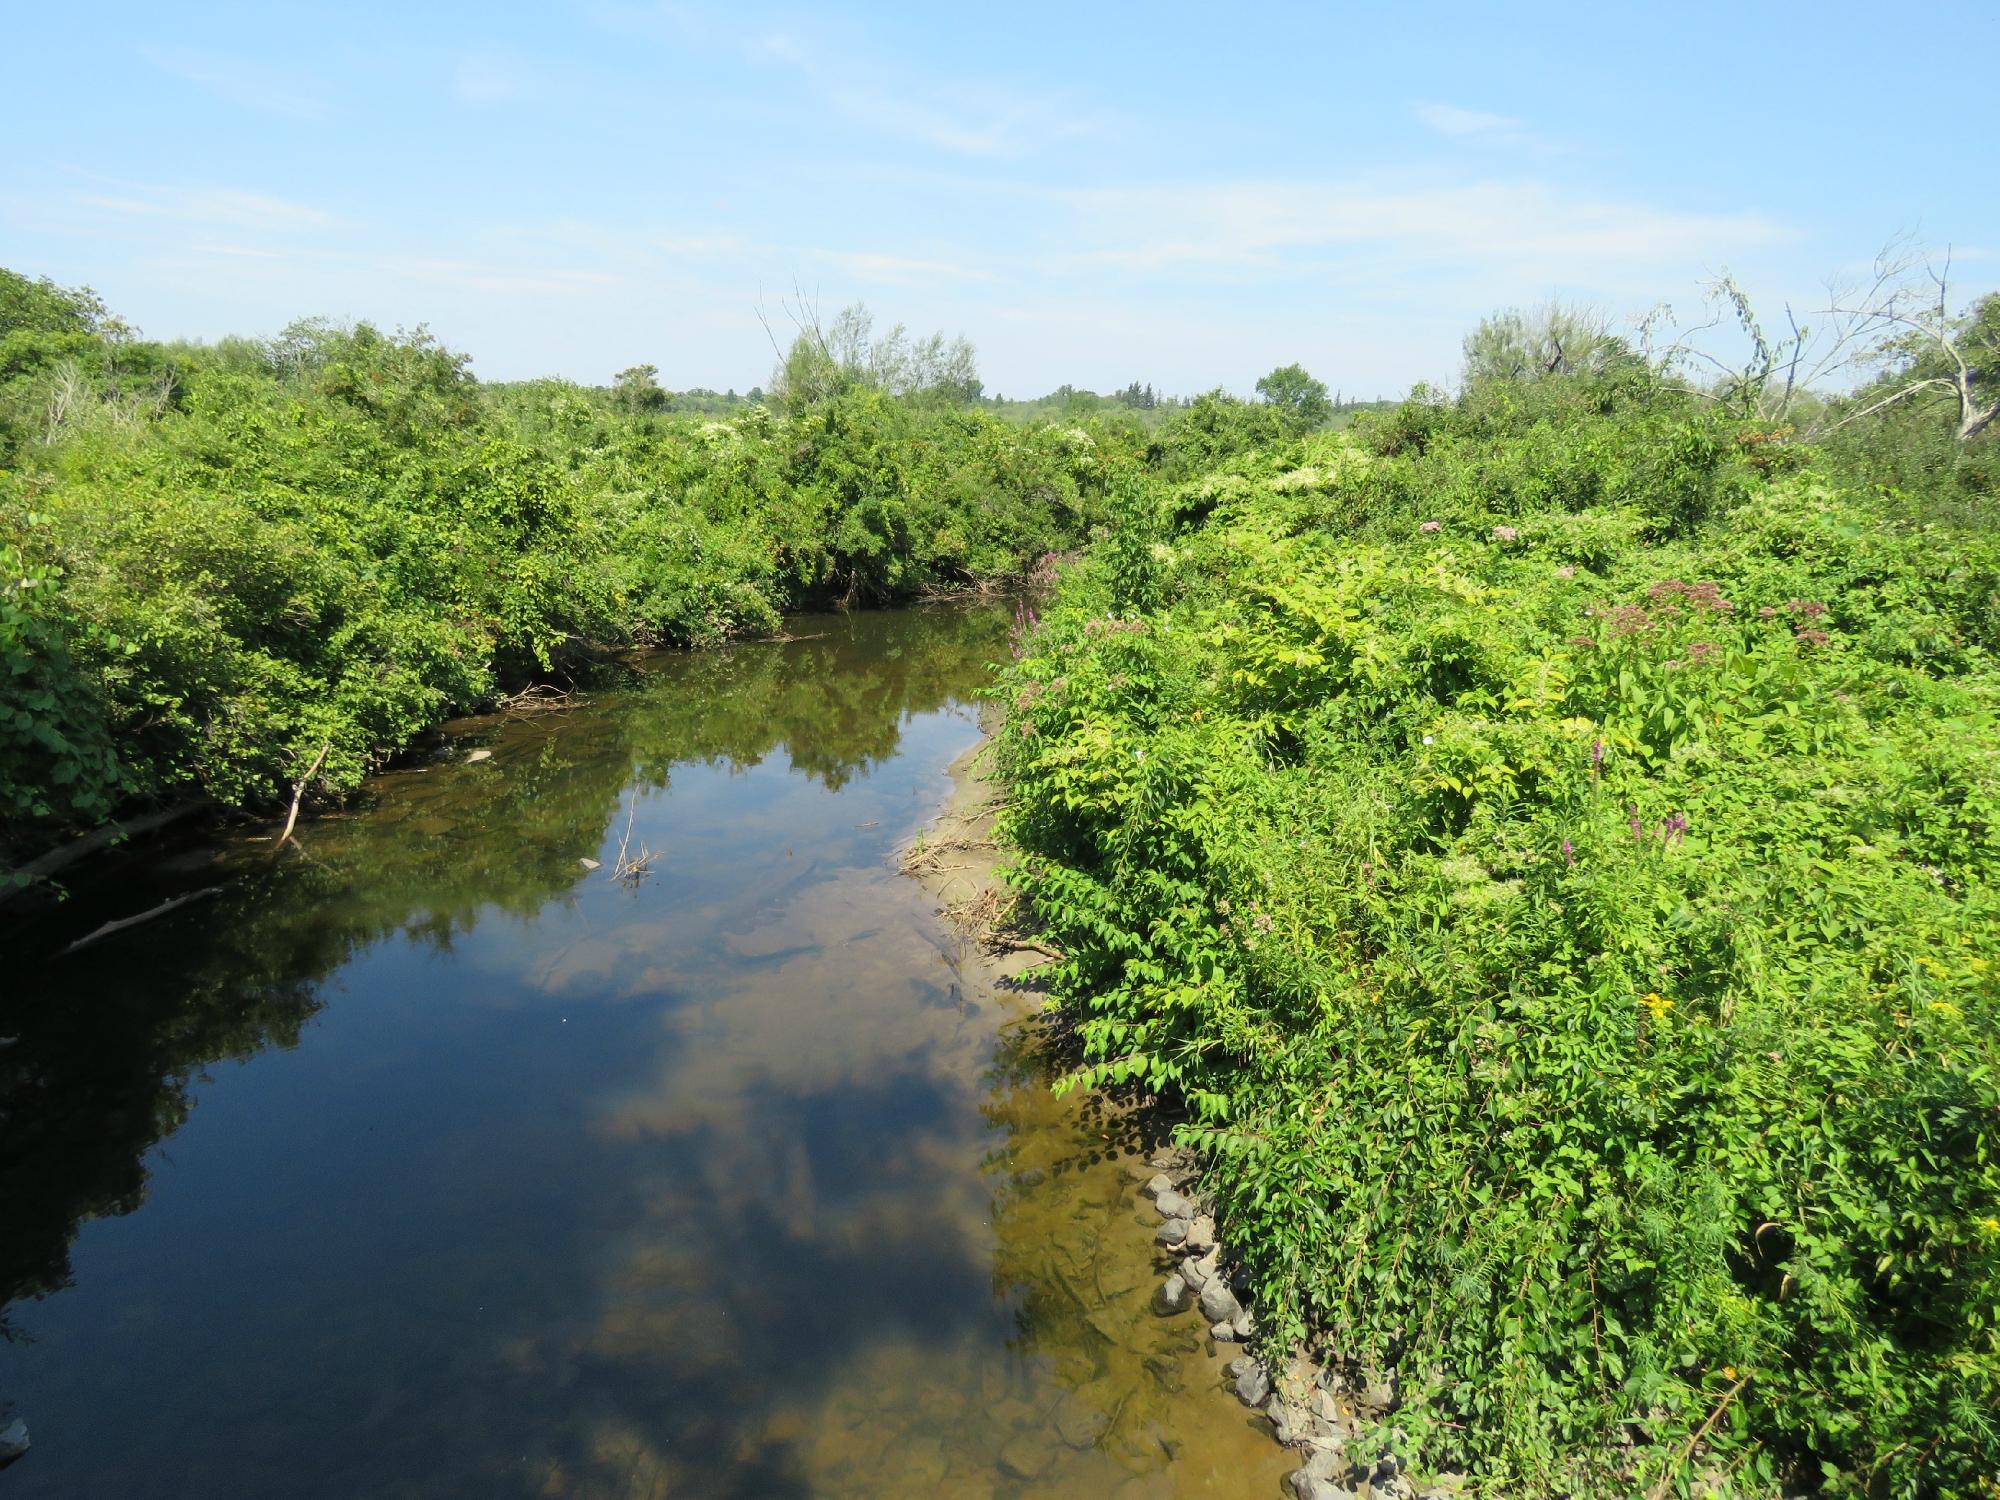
{"type": "Point", "coordinates": [13, 1441]}
{"type": "Point", "coordinates": [478, 755]}
{"type": "Point", "coordinates": [1173, 1295]}
{"type": "Point", "coordinates": [1024, 1457]}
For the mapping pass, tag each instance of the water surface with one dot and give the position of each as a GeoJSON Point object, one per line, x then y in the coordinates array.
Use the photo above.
{"type": "Point", "coordinates": [427, 1161]}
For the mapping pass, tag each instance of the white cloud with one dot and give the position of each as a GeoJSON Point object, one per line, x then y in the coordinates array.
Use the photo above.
{"type": "Point", "coordinates": [243, 81]}
{"type": "Point", "coordinates": [1528, 229]}
{"type": "Point", "coordinates": [487, 78]}
{"type": "Point", "coordinates": [218, 207]}
{"type": "Point", "coordinates": [963, 116]}
{"type": "Point", "coordinates": [1472, 124]}
{"type": "Point", "coordinates": [899, 270]}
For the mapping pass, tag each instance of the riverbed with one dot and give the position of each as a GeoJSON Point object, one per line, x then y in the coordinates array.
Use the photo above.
{"type": "Point", "coordinates": [602, 1115]}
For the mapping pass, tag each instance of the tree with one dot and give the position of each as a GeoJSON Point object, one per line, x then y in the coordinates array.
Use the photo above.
{"type": "Point", "coordinates": [1301, 399]}
{"type": "Point", "coordinates": [821, 362]}
{"type": "Point", "coordinates": [638, 389]}
{"type": "Point", "coordinates": [1900, 323]}
{"type": "Point", "coordinates": [1553, 339]}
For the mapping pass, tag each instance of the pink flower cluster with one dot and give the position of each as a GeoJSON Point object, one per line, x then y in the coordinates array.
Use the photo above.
{"type": "Point", "coordinates": [1431, 526]}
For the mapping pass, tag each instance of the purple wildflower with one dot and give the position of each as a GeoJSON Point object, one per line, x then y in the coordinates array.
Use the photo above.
{"type": "Point", "coordinates": [1569, 852]}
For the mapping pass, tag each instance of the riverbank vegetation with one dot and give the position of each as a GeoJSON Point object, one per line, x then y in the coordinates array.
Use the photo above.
{"type": "Point", "coordinates": [222, 566]}
{"type": "Point", "coordinates": [1544, 842]}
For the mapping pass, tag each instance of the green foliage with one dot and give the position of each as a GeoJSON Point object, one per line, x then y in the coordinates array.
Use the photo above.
{"type": "Point", "coordinates": [1304, 401]}
{"type": "Point", "coordinates": [241, 554]}
{"type": "Point", "coordinates": [1548, 850]}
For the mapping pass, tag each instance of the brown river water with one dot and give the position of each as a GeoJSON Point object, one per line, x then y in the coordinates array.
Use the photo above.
{"type": "Point", "coordinates": [425, 1160]}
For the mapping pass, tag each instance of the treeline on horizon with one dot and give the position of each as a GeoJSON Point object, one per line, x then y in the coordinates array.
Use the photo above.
{"type": "Point", "coordinates": [229, 569]}
{"type": "Point", "coordinates": [1543, 843]}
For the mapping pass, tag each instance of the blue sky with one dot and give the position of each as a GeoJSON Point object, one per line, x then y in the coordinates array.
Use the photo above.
{"type": "Point", "coordinates": [1180, 194]}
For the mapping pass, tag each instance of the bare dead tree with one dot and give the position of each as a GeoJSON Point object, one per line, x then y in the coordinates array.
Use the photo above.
{"type": "Point", "coordinates": [1903, 307]}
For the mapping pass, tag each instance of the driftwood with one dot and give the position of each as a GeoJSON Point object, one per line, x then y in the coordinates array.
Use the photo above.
{"type": "Point", "coordinates": [298, 791]}
{"type": "Point", "coordinates": [23, 878]}
{"type": "Point", "coordinates": [145, 916]}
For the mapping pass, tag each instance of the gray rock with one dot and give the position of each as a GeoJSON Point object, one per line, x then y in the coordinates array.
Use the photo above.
{"type": "Point", "coordinates": [1222, 1333]}
{"type": "Point", "coordinates": [1172, 1233]}
{"type": "Point", "coordinates": [13, 1441]}
{"type": "Point", "coordinates": [1218, 1303]}
{"type": "Point", "coordinates": [1244, 1324]}
{"type": "Point", "coordinates": [1195, 1271]}
{"type": "Point", "coordinates": [1172, 1205]}
{"type": "Point", "coordinates": [1173, 1296]}
{"type": "Point", "coordinates": [1201, 1234]}
{"type": "Point", "coordinates": [1287, 1421]}
{"type": "Point", "coordinates": [1329, 1464]}
{"type": "Point", "coordinates": [1253, 1386]}
{"type": "Point", "coordinates": [1379, 1396]}
{"type": "Point", "coordinates": [1312, 1487]}
{"type": "Point", "coordinates": [1159, 1183]}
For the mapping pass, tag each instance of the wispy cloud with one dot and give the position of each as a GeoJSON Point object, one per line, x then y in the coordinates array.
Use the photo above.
{"type": "Point", "coordinates": [214, 207]}
{"type": "Point", "coordinates": [1474, 125]}
{"type": "Point", "coordinates": [487, 78]}
{"type": "Point", "coordinates": [961, 115]}
{"type": "Point", "coordinates": [1528, 229]}
{"type": "Point", "coordinates": [244, 81]}
{"type": "Point", "coordinates": [899, 270]}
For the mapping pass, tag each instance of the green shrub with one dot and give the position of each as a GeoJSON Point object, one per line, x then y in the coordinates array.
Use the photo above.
{"type": "Point", "coordinates": [1567, 927]}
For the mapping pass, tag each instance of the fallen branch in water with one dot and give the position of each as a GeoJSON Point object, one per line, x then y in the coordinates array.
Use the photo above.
{"type": "Point", "coordinates": [25, 877]}
{"type": "Point", "coordinates": [145, 916]}
{"type": "Point", "coordinates": [539, 698]}
{"type": "Point", "coordinates": [631, 868]}
{"type": "Point", "coordinates": [299, 791]}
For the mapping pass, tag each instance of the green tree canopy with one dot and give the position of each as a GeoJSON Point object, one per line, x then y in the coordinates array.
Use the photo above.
{"type": "Point", "coordinates": [1303, 400]}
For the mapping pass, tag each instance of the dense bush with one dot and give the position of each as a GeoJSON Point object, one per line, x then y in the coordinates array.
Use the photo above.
{"type": "Point", "coordinates": [218, 560]}
{"type": "Point", "coordinates": [1546, 845]}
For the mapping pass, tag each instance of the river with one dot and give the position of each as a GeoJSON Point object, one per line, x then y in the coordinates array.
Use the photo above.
{"type": "Point", "coordinates": [426, 1159]}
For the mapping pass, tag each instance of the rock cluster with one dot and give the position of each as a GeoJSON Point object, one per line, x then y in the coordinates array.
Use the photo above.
{"type": "Point", "coordinates": [1312, 1409]}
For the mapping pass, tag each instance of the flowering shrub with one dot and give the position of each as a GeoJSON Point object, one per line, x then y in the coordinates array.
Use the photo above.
{"type": "Point", "coordinates": [1580, 980]}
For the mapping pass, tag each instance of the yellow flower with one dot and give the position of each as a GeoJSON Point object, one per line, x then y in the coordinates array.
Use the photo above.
{"type": "Point", "coordinates": [1991, 1226]}
{"type": "Point", "coordinates": [1659, 1005]}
